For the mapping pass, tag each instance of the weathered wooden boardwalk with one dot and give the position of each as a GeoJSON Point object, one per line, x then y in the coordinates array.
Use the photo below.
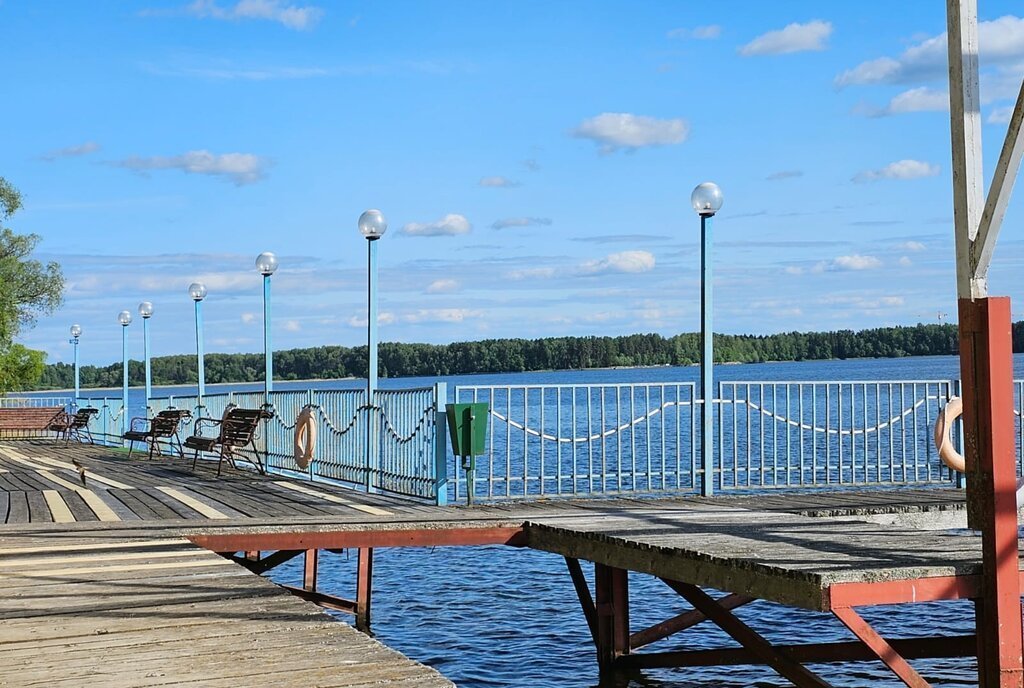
{"type": "Point", "coordinates": [134, 573]}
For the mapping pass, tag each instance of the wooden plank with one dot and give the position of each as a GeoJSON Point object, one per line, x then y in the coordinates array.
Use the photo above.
{"type": "Point", "coordinates": [100, 508]}
{"type": "Point", "coordinates": [332, 498]}
{"type": "Point", "coordinates": [204, 509]}
{"type": "Point", "coordinates": [58, 507]}
{"type": "Point", "coordinates": [17, 510]}
{"type": "Point", "coordinates": [38, 510]}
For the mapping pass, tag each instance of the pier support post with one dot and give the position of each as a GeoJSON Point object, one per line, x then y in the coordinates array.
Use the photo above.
{"type": "Point", "coordinates": [309, 571]}
{"type": "Point", "coordinates": [612, 603]}
{"type": "Point", "coordinates": [364, 588]}
{"type": "Point", "coordinates": [986, 366]}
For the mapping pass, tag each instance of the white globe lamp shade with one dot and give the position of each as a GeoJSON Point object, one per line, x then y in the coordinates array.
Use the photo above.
{"type": "Point", "coordinates": [146, 309]}
{"type": "Point", "coordinates": [706, 199]}
{"type": "Point", "coordinates": [76, 331]}
{"type": "Point", "coordinates": [125, 318]}
{"type": "Point", "coordinates": [372, 224]}
{"type": "Point", "coordinates": [266, 263]}
{"type": "Point", "coordinates": [197, 290]}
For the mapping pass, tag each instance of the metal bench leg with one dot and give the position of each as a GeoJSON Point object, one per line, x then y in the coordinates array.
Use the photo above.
{"type": "Point", "coordinates": [131, 448]}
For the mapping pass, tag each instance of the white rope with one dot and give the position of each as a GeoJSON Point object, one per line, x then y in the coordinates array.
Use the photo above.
{"type": "Point", "coordinates": [766, 412]}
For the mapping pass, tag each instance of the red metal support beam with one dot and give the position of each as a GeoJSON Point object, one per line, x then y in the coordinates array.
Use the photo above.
{"type": "Point", "coordinates": [986, 367]}
{"type": "Point", "coordinates": [327, 601]}
{"type": "Point", "coordinates": [309, 570]}
{"type": "Point", "coordinates": [364, 588]}
{"type": "Point", "coordinates": [579, 582]}
{"type": "Point", "coordinates": [785, 665]}
{"type": "Point", "coordinates": [233, 541]}
{"type": "Point", "coordinates": [612, 606]}
{"type": "Point", "coordinates": [880, 647]}
{"type": "Point", "coordinates": [817, 653]}
{"type": "Point", "coordinates": [680, 622]}
{"type": "Point", "coordinates": [900, 591]}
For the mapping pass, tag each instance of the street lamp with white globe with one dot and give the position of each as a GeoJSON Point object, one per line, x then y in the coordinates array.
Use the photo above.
{"type": "Point", "coordinates": [266, 263]}
{"type": "Point", "coordinates": [76, 332]}
{"type": "Point", "coordinates": [197, 290]}
{"type": "Point", "coordinates": [372, 226]}
{"type": "Point", "coordinates": [706, 200]}
{"type": "Point", "coordinates": [146, 311]}
{"type": "Point", "coordinates": [125, 319]}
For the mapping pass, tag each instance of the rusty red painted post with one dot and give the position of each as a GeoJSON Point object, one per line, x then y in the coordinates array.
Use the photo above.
{"type": "Point", "coordinates": [611, 592]}
{"type": "Point", "coordinates": [309, 571]}
{"type": "Point", "coordinates": [364, 588]}
{"type": "Point", "coordinates": [986, 366]}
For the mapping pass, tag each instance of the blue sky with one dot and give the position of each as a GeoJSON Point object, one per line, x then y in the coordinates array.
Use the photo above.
{"type": "Point", "coordinates": [534, 161]}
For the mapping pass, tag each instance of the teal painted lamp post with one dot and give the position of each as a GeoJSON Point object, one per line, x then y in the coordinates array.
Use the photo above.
{"type": "Point", "coordinates": [146, 311]}
{"type": "Point", "coordinates": [76, 332]}
{"type": "Point", "coordinates": [197, 290]}
{"type": "Point", "coordinates": [266, 263]}
{"type": "Point", "coordinates": [372, 226]}
{"type": "Point", "coordinates": [125, 318]}
{"type": "Point", "coordinates": [706, 200]}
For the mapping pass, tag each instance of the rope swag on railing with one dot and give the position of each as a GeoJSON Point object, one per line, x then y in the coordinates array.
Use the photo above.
{"type": "Point", "coordinates": [741, 402]}
{"type": "Point", "coordinates": [424, 418]}
{"type": "Point", "coordinates": [590, 438]}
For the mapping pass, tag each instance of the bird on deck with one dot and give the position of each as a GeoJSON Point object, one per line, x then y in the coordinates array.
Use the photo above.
{"type": "Point", "coordinates": [81, 470]}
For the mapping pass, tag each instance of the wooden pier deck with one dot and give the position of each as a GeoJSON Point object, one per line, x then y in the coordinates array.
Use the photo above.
{"type": "Point", "coordinates": [122, 574]}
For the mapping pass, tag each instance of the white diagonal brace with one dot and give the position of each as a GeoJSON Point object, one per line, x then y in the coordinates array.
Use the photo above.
{"type": "Point", "coordinates": [965, 132]}
{"type": "Point", "coordinates": [999, 193]}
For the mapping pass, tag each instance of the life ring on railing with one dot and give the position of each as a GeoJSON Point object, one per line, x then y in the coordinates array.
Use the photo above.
{"type": "Point", "coordinates": [943, 441]}
{"type": "Point", "coordinates": [305, 437]}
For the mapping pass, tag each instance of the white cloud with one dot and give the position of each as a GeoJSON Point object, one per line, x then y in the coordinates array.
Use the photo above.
{"type": "Point", "coordinates": [901, 169]}
{"type": "Point", "coordinates": [783, 174]}
{"type": "Point", "coordinates": [614, 130]}
{"type": "Point", "coordinates": [360, 321]}
{"type": "Point", "coordinates": [905, 262]}
{"type": "Point", "coordinates": [794, 38]}
{"type": "Point", "coordinates": [530, 273]}
{"type": "Point", "coordinates": [498, 182]}
{"type": "Point", "coordinates": [794, 270]}
{"type": "Point", "coordinates": [701, 33]}
{"type": "Point", "coordinates": [241, 168]}
{"type": "Point", "coordinates": [1000, 115]}
{"type": "Point", "coordinates": [292, 325]}
{"type": "Point", "coordinates": [442, 315]}
{"type": "Point", "coordinates": [449, 225]}
{"type": "Point", "coordinates": [912, 246]}
{"type": "Point", "coordinates": [71, 151]}
{"type": "Point", "coordinates": [248, 318]}
{"type": "Point", "coordinates": [853, 262]}
{"type": "Point", "coordinates": [443, 286]}
{"type": "Point", "coordinates": [922, 99]}
{"type": "Point", "coordinates": [507, 222]}
{"type": "Point", "coordinates": [1000, 41]}
{"type": "Point", "coordinates": [292, 16]}
{"type": "Point", "coordinates": [626, 261]}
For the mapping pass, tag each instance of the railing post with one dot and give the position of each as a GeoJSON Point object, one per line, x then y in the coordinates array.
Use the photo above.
{"type": "Point", "coordinates": [440, 443]}
{"type": "Point", "coordinates": [707, 361]}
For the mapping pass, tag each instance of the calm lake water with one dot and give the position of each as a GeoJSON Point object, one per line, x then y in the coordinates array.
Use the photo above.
{"type": "Point", "coordinates": [494, 616]}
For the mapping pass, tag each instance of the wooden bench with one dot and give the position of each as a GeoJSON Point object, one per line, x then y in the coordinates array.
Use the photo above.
{"type": "Point", "coordinates": [235, 430]}
{"type": "Point", "coordinates": [151, 430]}
{"type": "Point", "coordinates": [30, 421]}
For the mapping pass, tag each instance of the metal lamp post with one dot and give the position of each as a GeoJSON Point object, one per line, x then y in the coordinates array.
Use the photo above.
{"type": "Point", "coordinates": [372, 226]}
{"type": "Point", "coordinates": [266, 263]}
{"type": "Point", "coordinates": [146, 311]}
{"type": "Point", "coordinates": [125, 318]}
{"type": "Point", "coordinates": [197, 290]}
{"type": "Point", "coordinates": [706, 200]}
{"type": "Point", "coordinates": [76, 332]}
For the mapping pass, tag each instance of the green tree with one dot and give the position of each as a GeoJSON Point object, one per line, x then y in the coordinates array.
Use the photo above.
{"type": "Point", "coordinates": [28, 288]}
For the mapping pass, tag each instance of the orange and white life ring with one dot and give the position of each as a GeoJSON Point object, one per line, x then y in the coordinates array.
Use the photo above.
{"type": "Point", "coordinates": [943, 439]}
{"type": "Point", "coordinates": [305, 437]}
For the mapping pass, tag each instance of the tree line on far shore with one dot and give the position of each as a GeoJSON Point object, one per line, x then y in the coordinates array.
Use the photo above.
{"type": "Point", "coordinates": [519, 355]}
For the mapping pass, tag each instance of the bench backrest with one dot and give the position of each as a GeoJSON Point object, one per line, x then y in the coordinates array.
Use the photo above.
{"type": "Point", "coordinates": [165, 423]}
{"type": "Point", "coordinates": [81, 418]}
{"type": "Point", "coordinates": [30, 418]}
{"type": "Point", "coordinates": [239, 425]}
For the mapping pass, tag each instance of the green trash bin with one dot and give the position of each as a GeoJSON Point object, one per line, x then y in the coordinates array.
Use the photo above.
{"type": "Point", "coordinates": [467, 427]}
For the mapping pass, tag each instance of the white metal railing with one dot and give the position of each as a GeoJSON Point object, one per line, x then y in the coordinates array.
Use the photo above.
{"type": "Point", "coordinates": [644, 437]}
